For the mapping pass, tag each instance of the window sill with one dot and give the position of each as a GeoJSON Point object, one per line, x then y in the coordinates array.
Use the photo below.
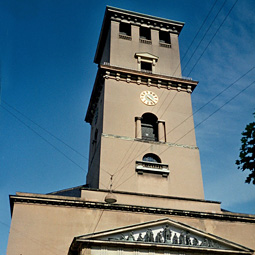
{"type": "Point", "coordinates": [125, 37]}
{"type": "Point", "coordinates": [152, 167]}
{"type": "Point", "coordinates": [145, 41]}
{"type": "Point", "coordinates": [165, 45]}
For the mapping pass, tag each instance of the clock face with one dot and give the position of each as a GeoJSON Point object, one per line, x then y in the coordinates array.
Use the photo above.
{"type": "Point", "coordinates": [149, 98]}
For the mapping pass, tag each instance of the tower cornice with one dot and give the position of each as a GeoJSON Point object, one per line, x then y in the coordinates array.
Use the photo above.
{"type": "Point", "coordinates": [134, 18]}
{"type": "Point", "coordinates": [135, 77]}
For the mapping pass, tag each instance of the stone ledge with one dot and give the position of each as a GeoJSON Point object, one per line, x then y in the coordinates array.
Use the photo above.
{"type": "Point", "coordinates": [52, 200]}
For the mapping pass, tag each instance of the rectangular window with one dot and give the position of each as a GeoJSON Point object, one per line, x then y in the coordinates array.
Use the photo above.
{"type": "Point", "coordinates": [125, 29]}
{"type": "Point", "coordinates": [164, 39]}
{"type": "Point", "coordinates": [145, 33]}
{"type": "Point", "coordinates": [146, 67]}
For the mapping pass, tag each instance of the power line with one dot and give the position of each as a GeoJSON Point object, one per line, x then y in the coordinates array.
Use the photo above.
{"type": "Point", "coordinates": [204, 35]}
{"type": "Point", "coordinates": [51, 249]}
{"type": "Point", "coordinates": [213, 36]}
{"type": "Point", "coordinates": [117, 171]}
{"type": "Point", "coordinates": [232, 98]}
{"type": "Point", "coordinates": [48, 132]}
{"type": "Point", "coordinates": [195, 36]}
{"type": "Point", "coordinates": [44, 129]}
{"type": "Point", "coordinates": [210, 115]}
{"type": "Point", "coordinates": [52, 145]}
{"type": "Point", "coordinates": [196, 111]}
{"type": "Point", "coordinates": [185, 54]}
{"type": "Point", "coordinates": [212, 99]}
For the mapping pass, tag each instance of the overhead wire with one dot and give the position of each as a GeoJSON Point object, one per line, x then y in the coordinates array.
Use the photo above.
{"type": "Point", "coordinates": [44, 139]}
{"type": "Point", "coordinates": [44, 129]}
{"type": "Point", "coordinates": [200, 28]}
{"type": "Point", "coordinates": [193, 53]}
{"type": "Point", "coordinates": [209, 116]}
{"type": "Point", "coordinates": [213, 37]}
{"type": "Point", "coordinates": [219, 108]}
{"type": "Point", "coordinates": [48, 132]}
{"type": "Point", "coordinates": [138, 153]}
{"type": "Point", "coordinates": [131, 161]}
{"type": "Point", "coordinates": [207, 30]}
{"type": "Point", "coordinates": [49, 248]}
{"type": "Point", "coordinates": [212, 99]}
{"type": "Point", "coordinates": [211, 40]}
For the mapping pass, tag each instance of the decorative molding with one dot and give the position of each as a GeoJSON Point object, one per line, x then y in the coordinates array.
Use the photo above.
{"type": "Point", "coordinates": [165, 45]}
{"type": "Point", "coordinates": [147, 141]}
{"type": "Point", "coordinates": [125, 37]}
{"type": "Point", "coordinates": [106, 71]}
{"type": "Point", "coordinates": [147, 78]}
{"type": "Point", "coordinates": [152, 167]}
{"type": "Point", "coordinates": [167, 235]}
{"type": "Point", "coordinates": [145, 20]}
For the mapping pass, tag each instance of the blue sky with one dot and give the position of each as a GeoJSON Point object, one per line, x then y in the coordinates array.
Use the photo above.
{"type": "Point", "coordinates": [47, 73]}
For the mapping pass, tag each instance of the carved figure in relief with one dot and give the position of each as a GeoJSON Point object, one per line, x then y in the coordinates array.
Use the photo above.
{"type": "Point", "coordinates": [151, 236]}
{"type": "Point", "coordinates": [131, 237]}
{"type": "Point", "coordinates": [195, 241]}
{"type": "Point", "coordinates": [205, 242]}
{"type": "Point", "coordinates": [175, 239]}
{"type": "Point", "coordinates": [147, 236]}
{"type": "Point", "coordinates": [167, 234]}
{"type": "Point", "coordinates": [140, 238]}
{"type": "Point", "coordinates": [188, 240]}
{"type": "Point", "coordinates": [159, 237]}
{"type": "Point", "coordinates": [181, 238]}
{"type": "Point", "coordinates": [122, 237]}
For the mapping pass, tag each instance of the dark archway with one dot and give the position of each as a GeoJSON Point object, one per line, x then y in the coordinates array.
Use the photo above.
{"type": "Point", "coordinates": [149, 124]}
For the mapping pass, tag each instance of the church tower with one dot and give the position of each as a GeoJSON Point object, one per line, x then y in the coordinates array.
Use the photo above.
{"type": "Point", "coordinates": [144, 192]}
{"type": "Point", "coordinates": [140, 112]}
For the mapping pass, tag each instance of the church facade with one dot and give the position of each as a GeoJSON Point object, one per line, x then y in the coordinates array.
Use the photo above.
{"type": "Point", "coordinates": [144, 190]}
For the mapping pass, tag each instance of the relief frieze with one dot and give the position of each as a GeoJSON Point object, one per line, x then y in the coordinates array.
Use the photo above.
{"type": "Point", "coordinates": [166, 235]}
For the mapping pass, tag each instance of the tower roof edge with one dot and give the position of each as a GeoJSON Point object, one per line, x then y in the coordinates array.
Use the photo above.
{"type": "Point", "coordinates": [134, 18]}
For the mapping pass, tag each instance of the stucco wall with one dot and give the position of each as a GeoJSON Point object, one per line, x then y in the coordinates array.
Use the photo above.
{"type": "Point", "coordinates": [48, 229]}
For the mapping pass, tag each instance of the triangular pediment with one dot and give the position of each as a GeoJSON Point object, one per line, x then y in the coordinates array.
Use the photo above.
{"type": "Point", "coordinates": [167, 233]}
{"type": "Point", "coordinates": [146, 55]}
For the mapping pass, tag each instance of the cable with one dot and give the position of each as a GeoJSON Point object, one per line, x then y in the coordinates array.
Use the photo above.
{"type": "Point", "coordinates": [48, 132]}
{"type": "Point", "coordinates": [207, 32]}
{"type": "Point", "coordinates": [203, 105]}
{"type": "Point", "coordinates": [204, 35]}
{"type": "Point", "coordinates": [213, 36]}
{"type": "Point", "coordinates": [42, 138]}
{"type": "Point", "coordinates": [210, 115]}
{"type": "Point", "coordinates": [117, 171]}
{"type": "Point", "coordinates": [194, 127]}
{"type": "Point", "coordinates": [199, 109]}
{"type": "Point", "coordinates": [98, 221]}
{"type": "Point", "coordinates": [195, 36]}
{"type": "Point", "coordinates": [51, 249]}
{"type": "Point", "coordinates": [44, 129]}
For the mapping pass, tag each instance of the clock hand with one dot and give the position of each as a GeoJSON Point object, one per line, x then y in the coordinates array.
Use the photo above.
{"type": "Point", "coordinates": [151, 98]}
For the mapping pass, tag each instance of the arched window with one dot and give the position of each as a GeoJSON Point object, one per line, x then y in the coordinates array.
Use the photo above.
{"type": "Point", "coordinates": [150, 157]}
{"type": "Point", "coordinates": [149, 123]}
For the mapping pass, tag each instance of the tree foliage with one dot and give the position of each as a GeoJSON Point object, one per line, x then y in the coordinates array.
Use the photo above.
{"type": "Point", "coordinates": [247, 152]}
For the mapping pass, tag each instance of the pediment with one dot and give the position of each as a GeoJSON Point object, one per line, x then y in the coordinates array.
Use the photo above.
{"type": "Point", "coordinates": [146, 55]}
{"type": "Point", "coordinates": [165, 233]}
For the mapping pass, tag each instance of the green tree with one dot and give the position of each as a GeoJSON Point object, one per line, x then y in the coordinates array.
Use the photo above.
{"type": "Point", "coordinates": [247, 152]}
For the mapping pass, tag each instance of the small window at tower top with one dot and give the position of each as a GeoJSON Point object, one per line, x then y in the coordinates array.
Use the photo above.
{"type": "Point", "coordinates": [164, 37]}
{"type": "Point", "coordinates": [145, 33]}
{"type": "Point", "coordinates": [125, 29]}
